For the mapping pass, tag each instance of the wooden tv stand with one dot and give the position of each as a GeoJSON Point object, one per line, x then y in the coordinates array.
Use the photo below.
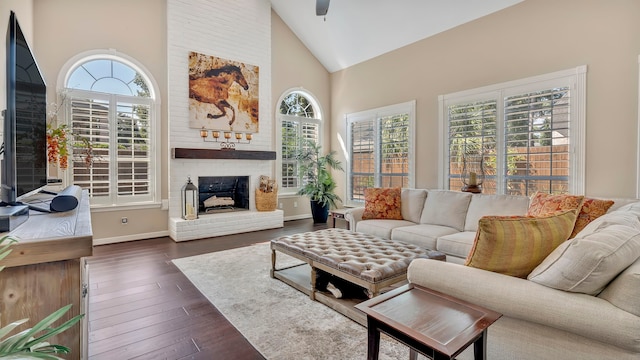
{"type": "Point", "coordinates": [46, 270]}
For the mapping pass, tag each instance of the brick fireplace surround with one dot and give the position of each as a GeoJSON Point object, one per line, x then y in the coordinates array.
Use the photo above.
{"type": "Point", "coordinates": [217, 163]}
{"type": "Point", "coordinates": [211, 27]}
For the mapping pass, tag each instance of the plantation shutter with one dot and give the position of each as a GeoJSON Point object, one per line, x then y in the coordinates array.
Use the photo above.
{"type": "Point", "coordinates": [90, 120]}
{"type": "Point", "coordinates": [531, 132]}
{"type": "Point", "coordinates": [363, 164]}
{"type": "Point", "coordinates": [381, 149]}
{"type": "Point", "coordinates": [294, 128]}
{"type": "Point", "coordinates": [472, 131]}
{"type": "Point", "coordinates": [289, 171]}
{"type": "Point", "coordinates": [117, 128]}
{"type": "Point", "coordinates": [394, 151]}
{"type": "Point", "coordinates": [537, 141]}
{"type": "Point", "coordinates": [133, 149]}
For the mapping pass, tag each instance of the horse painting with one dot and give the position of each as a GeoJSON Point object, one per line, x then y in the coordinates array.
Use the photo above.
{"type": "Point", "coordinates": [213, 88]}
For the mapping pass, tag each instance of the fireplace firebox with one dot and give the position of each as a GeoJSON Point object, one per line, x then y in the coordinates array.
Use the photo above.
{"type": "Point", "coordinates": [223, 193]}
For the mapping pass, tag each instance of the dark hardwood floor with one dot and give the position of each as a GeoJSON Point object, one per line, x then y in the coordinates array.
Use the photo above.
{"type": "Point", "coordinates": [142, 307]}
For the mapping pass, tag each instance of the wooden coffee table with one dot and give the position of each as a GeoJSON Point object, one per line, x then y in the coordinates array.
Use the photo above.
{"type": "Point", "coordinates": [429, 322]}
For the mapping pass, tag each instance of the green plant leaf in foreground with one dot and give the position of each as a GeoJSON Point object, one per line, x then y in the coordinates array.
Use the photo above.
{"type": "Point", "coordinates": [27, 345]}
{"type": "Point", "coordinates": [4, 249]}
{"type": "Point", "coordinates": [30, 343]}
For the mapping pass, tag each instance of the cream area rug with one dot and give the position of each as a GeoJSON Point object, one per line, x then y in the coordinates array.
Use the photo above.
{"type": "Point", "coordinates": [279, 321]}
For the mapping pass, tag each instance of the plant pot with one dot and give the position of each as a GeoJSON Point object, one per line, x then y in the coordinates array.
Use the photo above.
{"type": "Point", "coordinates": [319, 212]}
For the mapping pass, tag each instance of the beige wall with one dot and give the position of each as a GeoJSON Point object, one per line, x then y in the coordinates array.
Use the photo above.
{"type": "Point", "coordinates": [293, 66]}
{"type": "Point", "coordinates": [531, 38]}
{"type": "Point", "coordinates": [66, 28]}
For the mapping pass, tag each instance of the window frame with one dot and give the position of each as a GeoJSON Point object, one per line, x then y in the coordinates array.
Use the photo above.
{"type": "Point", "coordinates": [153, 200]}
{"type": "Point", "coordinates": [574, 78]}
{"type": "Point", "coordinates": [318, 120]}
{"type": "Point", "coordinates": [374, 115]}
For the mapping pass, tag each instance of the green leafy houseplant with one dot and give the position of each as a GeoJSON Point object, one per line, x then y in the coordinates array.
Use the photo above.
{"type": "Point", "coordinates": [30, 343]}
{"type": "Point", "coordinates": [319, 186]}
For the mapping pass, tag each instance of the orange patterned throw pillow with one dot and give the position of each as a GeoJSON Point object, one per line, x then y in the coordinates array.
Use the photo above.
{"type": "Point", "coordinates": [382, 203]}
{"type": "Point", "coordinates": [545, 204]}
{"type": "Point", "coordinates": [591, 210]}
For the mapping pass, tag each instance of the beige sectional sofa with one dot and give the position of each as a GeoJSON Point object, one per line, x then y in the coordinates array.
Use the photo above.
{"type": "Point", "coordinates": [444, 220]}
{"type": "Point", "coordinates": [581, 302]}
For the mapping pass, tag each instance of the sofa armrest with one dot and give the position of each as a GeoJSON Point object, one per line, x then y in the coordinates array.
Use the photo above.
{"type": "Point", "coordinates": [582, 314]}
{"type": "Point", "coordinates": [353, 215]}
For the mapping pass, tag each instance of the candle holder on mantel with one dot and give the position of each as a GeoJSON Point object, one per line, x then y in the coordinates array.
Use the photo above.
{"type": "Point", "coordinates": [473, 173]}
{"type": "Point", "coordinates": [227, 144]}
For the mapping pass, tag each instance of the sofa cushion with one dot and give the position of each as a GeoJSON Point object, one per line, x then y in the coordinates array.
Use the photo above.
{"type": "Point", "coordinates": [424, 235]}
{"type": "Point", "coordinates": [544, 203]}
{"type": "Point", "coordinates": [382, 203]}
{"type": "Point", "coordinates": [483, 205]}
{"type": "Point", "coordinates": [412, 204]}
{"type": "Point", "coordinates": [591, 209]}
{"type": "Point", "coordinates": [446, 208]}
{"type": "Point", "coordinates": [380, 227]}
{"type": "Point", "coordinates": [587, 263]}
{"type": "Point", "coordinates": [633, 208]}
{"type": "Point", "coordinates": [624, 290]}
{"type": "Point", "coordinates": [515, 245]}
{"type": "Point", "coordinates": [458, 244]}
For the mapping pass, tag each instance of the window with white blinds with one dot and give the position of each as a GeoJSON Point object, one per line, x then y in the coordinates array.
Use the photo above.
{"type": "Point", "coordinates": [111, 119]}
{"type": "Point", "coordinates": [472, 130]}
{"type": "Point", "coordinates": [381, 151]}
{"type": "Point", "coordinates": [528, 134]}
{"type": "Point", "coordinates": [300, 120]}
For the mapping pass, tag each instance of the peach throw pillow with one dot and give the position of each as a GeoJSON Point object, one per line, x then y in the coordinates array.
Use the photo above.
{"type": "Point", "coordinates": [591, 210]}
{"type": "Point", "coordinates": [544, 203]}
{"type": "Point", "coordinates": [382, 203]}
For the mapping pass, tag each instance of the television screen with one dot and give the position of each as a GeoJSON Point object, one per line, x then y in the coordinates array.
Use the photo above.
{"type": "Point", "coordinates": [24, 169]}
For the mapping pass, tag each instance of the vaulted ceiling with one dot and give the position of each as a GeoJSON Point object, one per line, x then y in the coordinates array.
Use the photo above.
{"type": "Point", "coordinates": [354, 31]}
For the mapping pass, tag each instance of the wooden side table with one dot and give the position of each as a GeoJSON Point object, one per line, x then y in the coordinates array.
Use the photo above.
{"type": "Point", "coordinates": [429, 322]}
{"type": "Point", "coordinates": [338, 214]}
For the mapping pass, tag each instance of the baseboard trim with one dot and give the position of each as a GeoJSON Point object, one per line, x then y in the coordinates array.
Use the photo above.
{"type": "Point", "coordinates": [119, 239]}
{"type": "Point", "coordinates": [297, 217]}
{"type": "Point", "coordinates": [144, 236]}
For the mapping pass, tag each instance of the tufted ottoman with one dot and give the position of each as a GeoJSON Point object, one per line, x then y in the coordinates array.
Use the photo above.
{"type": "Point", "coordinates": [366, 260]}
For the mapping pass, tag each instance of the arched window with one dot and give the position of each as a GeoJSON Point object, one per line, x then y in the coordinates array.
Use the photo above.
{"type": "Point", "coordinates": [110, 106]}
{"type": "Point", "coordinates": [300, 118]}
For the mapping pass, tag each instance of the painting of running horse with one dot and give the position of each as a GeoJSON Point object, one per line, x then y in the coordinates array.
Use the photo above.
{"type": "Point", "coordinates": [223, 94]}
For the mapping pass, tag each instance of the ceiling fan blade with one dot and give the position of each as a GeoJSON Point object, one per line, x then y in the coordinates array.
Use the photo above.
{"type": "Point", "coordinates": [322, 6]}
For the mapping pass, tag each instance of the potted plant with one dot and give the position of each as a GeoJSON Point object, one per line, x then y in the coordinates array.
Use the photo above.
{"type": "Point", "coordinates": [318, 185]}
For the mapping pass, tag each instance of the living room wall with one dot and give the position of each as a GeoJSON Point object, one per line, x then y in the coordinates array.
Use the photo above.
{"type": "Point", "coordinates": [527, 39]}
{"type": "Point", "coordinates": [66, 28]}
{"type": "Point", "coordinates": [294, 66]}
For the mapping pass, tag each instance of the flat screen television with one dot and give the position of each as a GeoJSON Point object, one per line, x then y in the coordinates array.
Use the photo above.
{"type": "Point", "coordinates": [24, 165]}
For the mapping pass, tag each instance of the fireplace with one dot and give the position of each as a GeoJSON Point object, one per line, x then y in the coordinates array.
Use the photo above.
{"type": "Point", "coordinates": [223, 193]}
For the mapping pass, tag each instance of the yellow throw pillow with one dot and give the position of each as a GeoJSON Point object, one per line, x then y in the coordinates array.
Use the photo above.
{"type": "Point", "coordinates": [591, 209]}
{"type": "Point", "coordinates": [545, 204]}
{"type": "Point", "coordinates": [515, 245]}
{"type": "Point", "coordinates": [382, 203]}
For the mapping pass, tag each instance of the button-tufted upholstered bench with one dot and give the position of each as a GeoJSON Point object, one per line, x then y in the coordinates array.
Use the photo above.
{"type": "Point", "coordinates": [366, 260]}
